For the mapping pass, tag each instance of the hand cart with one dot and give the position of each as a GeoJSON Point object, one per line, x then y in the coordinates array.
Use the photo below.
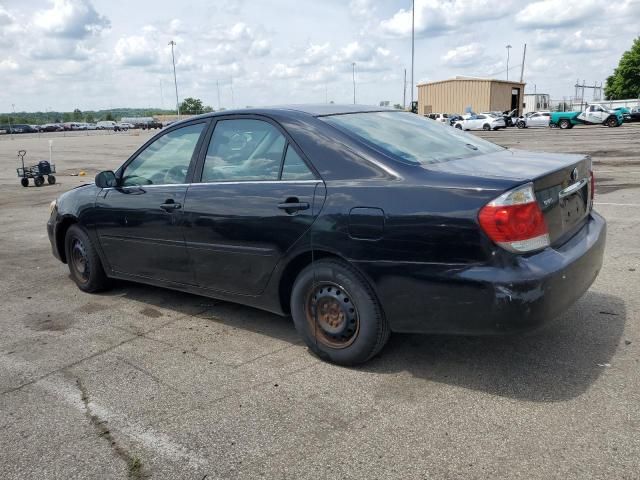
{"type": "Point", "coordinates": [37, 172]}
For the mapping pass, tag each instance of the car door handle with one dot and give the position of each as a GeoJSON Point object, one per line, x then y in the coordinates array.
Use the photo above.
{"type": "Point", "coordinates": [291, 207]}
{"type": "Point", "coordinates": [170, 206]}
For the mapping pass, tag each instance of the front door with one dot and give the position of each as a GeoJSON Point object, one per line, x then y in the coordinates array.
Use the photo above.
{"type": "Point", "coordinates": [254, 202]}
{"type": "Point", "coordinates": [139, 223]}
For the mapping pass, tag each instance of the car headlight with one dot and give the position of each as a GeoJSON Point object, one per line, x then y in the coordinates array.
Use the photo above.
{"type": "Point", "coordinates": [52, 206]}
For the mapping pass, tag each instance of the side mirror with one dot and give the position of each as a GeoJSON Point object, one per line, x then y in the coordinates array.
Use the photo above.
{"type": "Point", "coordinates": [106, 179]}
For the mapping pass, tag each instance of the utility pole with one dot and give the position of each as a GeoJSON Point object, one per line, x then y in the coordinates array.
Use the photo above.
{"type": "Point", "coordinates": [175, 79]}
{"type": "Point", "coordinates": [404, 91]}
{"type": "Point", "coordinates": [218, 87]}
{"type": "Point", "coordinates": [13, 107]}
{"type": "Point", "coordinates": [524, 55]}
{"type": "Point", "coordinates": [508, 47]}
{"type": "Point", "coordinates": [353, 65]}
{"type": "Point", "coordinates": [413, 35]}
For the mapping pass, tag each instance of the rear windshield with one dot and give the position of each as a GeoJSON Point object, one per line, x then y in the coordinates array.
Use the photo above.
{"type": "Point", "coordinates": [411, 138]}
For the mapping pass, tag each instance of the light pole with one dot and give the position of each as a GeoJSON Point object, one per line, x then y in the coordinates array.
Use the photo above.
{"type": "Point", "coordinates": [413, 30]}
{"type": "Point", "coordinates": [353, 65]}
{"type": "Point", "coordinates": [175, 80]}
{"type": "Point", "coordinates": [508, 47]}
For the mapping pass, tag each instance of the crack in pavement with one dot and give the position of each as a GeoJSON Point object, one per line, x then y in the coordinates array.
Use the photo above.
{"type": "Point", "coordinates": [134, 465]}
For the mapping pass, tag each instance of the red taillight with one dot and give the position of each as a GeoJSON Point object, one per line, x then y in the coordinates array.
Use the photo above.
{"type": "Point", "coordinates": [515, 222]}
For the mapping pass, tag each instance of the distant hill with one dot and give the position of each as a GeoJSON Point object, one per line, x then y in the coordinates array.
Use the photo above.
{"type": "Point", "coordinates": [38, 118]}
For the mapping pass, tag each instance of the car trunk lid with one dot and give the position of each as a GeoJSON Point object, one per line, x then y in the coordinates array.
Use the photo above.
{"type": "Point", "coordinates": [561, 183]}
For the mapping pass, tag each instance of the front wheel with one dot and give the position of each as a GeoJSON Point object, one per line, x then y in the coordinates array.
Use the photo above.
{"type": "Point", "coordinates": [24, 181]}
{"type": "Point", "coordinates": [38, 181]}
{"type": "Point", "coordinates": [337, 313]}
{"type": "Point", "coordinates": [459, 127]}
{"type": "Point", "coordinates": [486, 127]}
{"type": "Point", "coordinates": [83, 261]}
{"type": "Point", "coordinates": [521, 124]}
{"type": "Point", "coordinates": [612, 122]}
{"type": "Point", "coordinates": [564, 124]}
{"type": "Point", "coordinates": [51, 179]}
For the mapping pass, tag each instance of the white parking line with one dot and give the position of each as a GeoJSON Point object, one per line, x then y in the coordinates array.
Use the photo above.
{"type": "Point", "coordinates": [619, 204]}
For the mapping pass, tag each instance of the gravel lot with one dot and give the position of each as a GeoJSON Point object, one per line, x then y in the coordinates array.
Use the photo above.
{"type": "Point", "coordinates": [142, 382]}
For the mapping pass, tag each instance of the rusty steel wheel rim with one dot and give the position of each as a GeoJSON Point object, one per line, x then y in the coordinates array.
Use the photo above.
{"type": "Point", "coordinates": [332, 315]}
{"type": "Point", "coordinates": [79, 260]}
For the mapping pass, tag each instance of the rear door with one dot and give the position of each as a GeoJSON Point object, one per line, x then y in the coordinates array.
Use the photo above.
{"type": "Point", "coordinates": [139, 223]}
{"type": "Point", "coordinates": [254, 201]}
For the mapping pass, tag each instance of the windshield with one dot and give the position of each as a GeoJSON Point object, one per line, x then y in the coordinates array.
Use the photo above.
{"type": "Point", "coordinates": [411, 138]}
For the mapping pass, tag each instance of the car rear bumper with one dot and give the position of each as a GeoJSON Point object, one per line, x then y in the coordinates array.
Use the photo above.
{"type": "Point", "coordinates": [487, 299]}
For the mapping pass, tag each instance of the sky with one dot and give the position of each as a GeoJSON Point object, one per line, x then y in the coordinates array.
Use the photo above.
{"type": "Point", "coordinates": [95, 54]}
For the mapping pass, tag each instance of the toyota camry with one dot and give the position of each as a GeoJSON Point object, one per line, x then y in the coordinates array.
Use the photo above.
{"type": "Point", "coordinates": [356, 221]}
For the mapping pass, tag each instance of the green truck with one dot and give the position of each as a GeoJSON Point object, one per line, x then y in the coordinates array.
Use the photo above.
{"type": "Point", "coordinates": [592, 115]}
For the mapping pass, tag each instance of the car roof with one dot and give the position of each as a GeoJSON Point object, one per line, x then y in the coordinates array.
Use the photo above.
{"type": "Point", "coordinates": [315, 110]}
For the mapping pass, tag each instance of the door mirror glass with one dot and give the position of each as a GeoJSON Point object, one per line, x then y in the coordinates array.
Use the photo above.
{"type": "Point", "coordinates": [165, 161]}
{"type": "Point", "coordinates": [106, 179]}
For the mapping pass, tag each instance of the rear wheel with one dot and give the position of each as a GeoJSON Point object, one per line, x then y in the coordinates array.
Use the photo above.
{"type": "Point", "coordinates": [337, 313]}
{"type": "Point", "coordinates": [51, 179]}
{"type": "Point", "coordinates": [83, 261]}
{"type": "Point", "coordinates": [38, 181]}
{"type": "Point", "coordinates": [486, 127]}
{"type": "Point", "coordinates": [459, 127]}
{"type": "Point", "coordinates": [564, 124]}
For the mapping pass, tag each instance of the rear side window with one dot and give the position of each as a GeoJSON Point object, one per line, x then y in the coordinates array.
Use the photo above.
{"type": "Point", "coordinates": [410, 138]}
{"type": "Point", "coordinates": [294, 167]}
{"type": "Point", "coordinates": [244, 150]}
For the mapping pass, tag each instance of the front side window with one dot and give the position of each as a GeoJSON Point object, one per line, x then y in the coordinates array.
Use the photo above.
{"type": "Point", "coordinates": [244, 150]}
{"type": "Point", "coordinates": [166, 161]}
{"type": "Point", "coordinates": [410, 138]}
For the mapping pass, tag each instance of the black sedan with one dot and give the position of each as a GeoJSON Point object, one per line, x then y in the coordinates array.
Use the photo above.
{"type": "Point", "coordinates": [356, 221]}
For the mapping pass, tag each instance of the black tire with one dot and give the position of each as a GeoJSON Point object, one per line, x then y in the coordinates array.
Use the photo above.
{"type": "Point", "coordinates": [486, 127]}
{"type": "Point", "coordinates": [51, 179]}
{"type": "Point", "coordinates": [459, 127]}
{"type": "Point", "coordinates": [38, 181]}
{"type": "Point", "coordinates": [564, 124]}
{"type": "Point", "coordinates": [24, 182]}
{"type": "Point", "coordinates": [612, 122]}
{"type": "Point", "coordinates": [83, 261]}
{"type": "Point", "coordinates": [351, 309]}
{"type": "Point", "coordinates": [521, 124]}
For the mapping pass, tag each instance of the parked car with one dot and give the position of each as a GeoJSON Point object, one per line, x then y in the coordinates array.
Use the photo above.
{"type": "Point", "coordinates": [122, 127]}
{"type": "Point", "coordinates": [626, 113]}
{"type": "Point", "coordinates": [480, 122]}
{"type": "Point", "coordinates": [106, 125]}
{"type": "Point", "coordinates": [51, 127]}
{"type": "Point", "coordinates": [92, 126]}
{"type": "Point", "coordinates": [453, 118]}
{"type": "Point", "coordinates": [534, 119]}
{"type": "Point", "coordinates": [592, 115]}
{"type": "Point", "coordinates": [635, 114]}
{"type": "Point", "coordinates": [439, 117]}
{"type": "Point", "coordinates": [20, 128]}
{"type": "Point", "coordinates": [357, 221]}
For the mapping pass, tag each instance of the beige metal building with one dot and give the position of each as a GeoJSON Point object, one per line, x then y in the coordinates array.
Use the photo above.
{"type": "Point", "coordinates": [461, 94]}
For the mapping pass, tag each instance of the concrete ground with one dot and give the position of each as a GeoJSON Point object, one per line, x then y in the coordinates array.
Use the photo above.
{"type": "Point", "coordinates": [142, 382]}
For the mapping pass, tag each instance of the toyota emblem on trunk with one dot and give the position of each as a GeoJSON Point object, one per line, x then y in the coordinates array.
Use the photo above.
{"type": "Point", "coordinates": [574, 175]}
